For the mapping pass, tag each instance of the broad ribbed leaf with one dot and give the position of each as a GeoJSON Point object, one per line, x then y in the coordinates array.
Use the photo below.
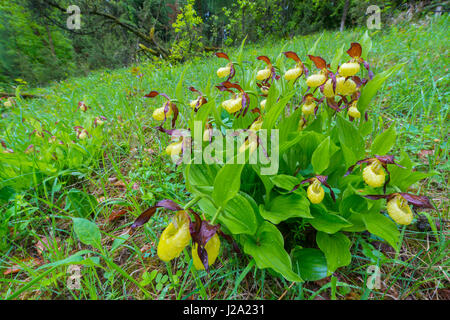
{"type": "Point", "coordinates": [238, 215]}
{"type": "Point", "coordinates": [87, 231]}
{"type": "Point", "coordinates": [227, 183]}
{"type": "Point", "coordinates": [336, 248]}
{"type": "Point", "coordinates": [336, 59]}
{"type": "Point", "coordinates": [326, 221]}
{"type": "Point", "coordinates": [383, 227]}
{"type": "Point", "coordinates": [321, 157]}
{"type": "Point", "coordinates": [371, 88]}
{"type": "Point", "coordinates": [384, 142]}
{"type": "Point", "coordinates": [275, 110]}
{"type": "Point", "coordinates": [350, 138]}
{"type": "Point", "coordinates": [286, 206]}
{"type": "Point", "coordinates": [267, 248]}
{"type": "Point", "coordinates": [366, 44]}
{"type": "Point", "coordinates": [285, 182]}
{"type": "Point", "coordinates": [309, 263]}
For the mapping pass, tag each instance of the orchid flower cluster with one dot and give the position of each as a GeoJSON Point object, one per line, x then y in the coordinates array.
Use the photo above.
{"type": "Point", "coordinates": [333, 96]}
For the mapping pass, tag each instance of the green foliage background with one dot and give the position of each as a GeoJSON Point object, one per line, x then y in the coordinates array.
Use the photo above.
{"type": "Point", "coordinates": [36, 46]}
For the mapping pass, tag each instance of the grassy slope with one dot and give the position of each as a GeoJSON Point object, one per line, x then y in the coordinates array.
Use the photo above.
{"type": "Point", "coordinates": [128, 172]}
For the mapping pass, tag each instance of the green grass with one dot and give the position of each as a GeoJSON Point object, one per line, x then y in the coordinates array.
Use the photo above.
{"type": "Point", "coordinates": [123, 166]}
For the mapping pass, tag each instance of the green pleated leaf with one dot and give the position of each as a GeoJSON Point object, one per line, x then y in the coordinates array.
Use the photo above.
{"type": "Point", "coordinates": [350, 139]}
{"type": "Point", "coordinates": [227, 183]}
{"type": "Point", "coordinates": [384, 142]}
{"type": "Point", "coordinates": [286, 206]}
{"type": "Point", "coordinates": [326, 221]}
{"type": "Point", "coordinates": [309, 263]}
{"type": "Point", "coordinates": [87, 232]}
{"type": "Point", "coordinates": [371, 88]}
{"type": "Point", "coordinates": [336, 248]}
{"type": "Point", "coordinates": [238, 215]}
{"type": "Point", "coordinates": [267, 248]}
{"type": "Point", "coordinates": [383, 227]}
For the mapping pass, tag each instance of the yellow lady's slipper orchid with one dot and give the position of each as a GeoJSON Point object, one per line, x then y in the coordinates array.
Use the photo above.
{"type": "Point", "coordinates": [174, 149]}
{"type": "Point", "coordinates": [343, 87]}
{"type": "Point", "coordinates": [83, 107]}
{"type": "Point", "coordinates": [256, 125]}
{"type": "Point", "coordinates": [174, 238]}
{"type": "Point", "coordinates": [316, 80]}
{"type": "Point", "coordinates": [399, 210]}
{"type": "Point", "coordinates": [328, 87]}
{"type": "Point", "coordinates": [158, 114]}
{"type": "Point", "coordinates": [263, 74]}
{"type": "Point", "coordinates": [250, 143]}
{"type": "Point", "coordinates": [224, 71]}
{"type": "Point", "coordinates": [374, 174]}
{"type": "Point", "coordinates": [7, 103]}
{"type": "Point", "coordinates": [83, 134]}
{"type": "Point", "coordinates": [232, 105]}
{"type": "Point", "coordinates": [308, 108]}
{"type": "Point", "coordinates": [212, 248]}
{"type": "Point", "coordinates": [349, 69]}
{"type": "Point", "coordinates": [264, 90]}
{"type": "Point", "coordinates": [206, 135]}
{"type": "Point", "coordinates": [99, 121]}
{"type": "Point", "coordinates": [348, 87]}
{"type": "Point", "coordinates": [263, 104]}
{"type": "Point", "coordinates": [315, 192]}
{"type": "Point", "coordinates": [193, 103]}
{"type": "Point", "coordinates": [293, 74]}
{"type": "Point", "coordinates": [301, 124]}
{"type": "Point", "coordinates": [354, 112]}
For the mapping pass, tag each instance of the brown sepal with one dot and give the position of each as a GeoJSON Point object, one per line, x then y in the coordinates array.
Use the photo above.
{"type": "Point", "coordinates": [265, 59]}
{"type": "Point", "coordinates": [318, 61]}
{"type": "Point", "coordinates": [292, 55]}
{"type": "Point", "coordinates": [355, 50]}
{"type": "Point", "coordinates": [222, 55]}
{"type": "Point", "coordinates": [145, 216]}
{"type": "Point", "coordinates": [201, 232]}
{"type": "Point", "coordinates": [417, 201]}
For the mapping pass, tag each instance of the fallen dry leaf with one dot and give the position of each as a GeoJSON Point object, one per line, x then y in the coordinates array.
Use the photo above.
{"type": "Point", "coordinates": [112, 179]}
{"type": "Point", "coordinates": [31, 262]}
{"type": "Point", "coordinates": [146, 248]}
{"type": "Point", "coordinates": [423, 155]}
{"type": "Point", "coordinates": [117, 214]}
{"type": "Point", "coordinates": [43, 245]}
{"type": "Point", "coordinates": [120, 184]}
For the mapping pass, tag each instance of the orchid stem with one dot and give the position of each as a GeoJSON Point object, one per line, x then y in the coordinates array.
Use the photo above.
{"type": "Point", "coordinates": [192, 202]}
{"type": "Point", "coordinates": [216, 215]}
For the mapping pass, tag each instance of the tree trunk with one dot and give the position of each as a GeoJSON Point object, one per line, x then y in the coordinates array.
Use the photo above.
{"type": "Point", "coordinates": [344, 15]}
{"type": "Point", "coordinates": [243, 20]}
{"type": "Point", "coordinates": [156, 49]}
{"type": "Point", "coordinates": [23, 95]}
{"type": "Point", "coordinates": [50, 41]}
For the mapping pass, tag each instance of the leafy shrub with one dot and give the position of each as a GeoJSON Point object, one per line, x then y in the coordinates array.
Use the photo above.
{"type": "Point", "coordinates": [188, 38]}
